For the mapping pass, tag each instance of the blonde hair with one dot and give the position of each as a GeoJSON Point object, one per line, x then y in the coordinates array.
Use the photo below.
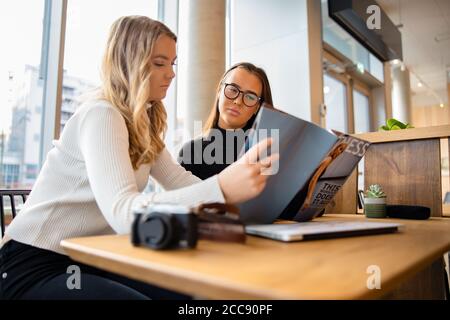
{"type": "Point", "coordinates": [126, 71]}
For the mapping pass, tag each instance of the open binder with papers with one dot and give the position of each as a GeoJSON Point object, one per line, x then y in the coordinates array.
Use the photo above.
{"type": "Point", "coordinates": [314, 163]}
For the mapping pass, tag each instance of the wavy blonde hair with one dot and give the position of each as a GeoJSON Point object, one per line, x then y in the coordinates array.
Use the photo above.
{"type": "Point", "coordinates": [126, 71]}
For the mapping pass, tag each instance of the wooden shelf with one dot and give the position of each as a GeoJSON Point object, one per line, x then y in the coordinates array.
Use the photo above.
{"type": "Point", "coordinates": [407, 134]}
{"type": "Point", "coordinates": [407, 163]}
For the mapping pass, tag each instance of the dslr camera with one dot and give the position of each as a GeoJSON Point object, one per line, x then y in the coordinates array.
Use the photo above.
{"type": "Point", "coordinates": [164, 226]}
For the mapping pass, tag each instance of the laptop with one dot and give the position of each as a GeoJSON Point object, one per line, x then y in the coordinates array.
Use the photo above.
{"type": "Point", "coordinates": [314, 230]}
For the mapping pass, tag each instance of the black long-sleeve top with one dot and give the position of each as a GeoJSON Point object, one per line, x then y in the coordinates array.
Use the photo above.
{"type": "Point", "coordinates": [207, 155]}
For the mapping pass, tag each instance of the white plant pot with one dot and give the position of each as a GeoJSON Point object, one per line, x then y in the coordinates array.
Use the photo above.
{"type": "Point", "coordinates": [375, 200]}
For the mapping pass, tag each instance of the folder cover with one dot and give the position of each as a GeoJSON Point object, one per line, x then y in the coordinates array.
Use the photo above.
{"type": "Point", "coordinates": [314, 163]}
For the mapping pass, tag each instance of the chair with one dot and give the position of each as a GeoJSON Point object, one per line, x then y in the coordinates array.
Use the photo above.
{"type": "Point", "coordinates": [11, 194]}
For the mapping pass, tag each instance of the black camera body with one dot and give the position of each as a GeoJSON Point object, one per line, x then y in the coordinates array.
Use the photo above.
{"type": "Point", "coordinates": [164, 226]}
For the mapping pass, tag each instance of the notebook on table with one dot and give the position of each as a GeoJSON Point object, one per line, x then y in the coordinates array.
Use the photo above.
{"type": "Point", "coordinates": [314, 230]}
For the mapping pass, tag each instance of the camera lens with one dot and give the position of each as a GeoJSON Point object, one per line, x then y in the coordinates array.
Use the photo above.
{"type": "Point", "coordinates": [155, 231]}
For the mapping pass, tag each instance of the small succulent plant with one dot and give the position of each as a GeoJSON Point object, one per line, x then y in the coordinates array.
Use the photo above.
{"type": "Point", "coordinates": [375, 191]}
{"type": "Point", "coordinates": [394, 124]}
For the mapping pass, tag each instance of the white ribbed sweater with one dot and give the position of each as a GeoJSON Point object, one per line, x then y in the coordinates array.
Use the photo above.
{"type": "Point", "coordinates": [87, 185]}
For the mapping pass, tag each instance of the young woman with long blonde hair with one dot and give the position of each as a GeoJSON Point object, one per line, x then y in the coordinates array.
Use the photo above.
{"type": "Point", "coordinates": [95, 173]}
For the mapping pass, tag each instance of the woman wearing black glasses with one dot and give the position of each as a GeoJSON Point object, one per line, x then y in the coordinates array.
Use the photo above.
{"type": "Point", "coordinates": [241, 92]}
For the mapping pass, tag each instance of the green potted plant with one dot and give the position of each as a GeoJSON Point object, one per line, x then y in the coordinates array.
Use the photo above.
{"type": "Point", "coordinates": [394, 124]}
{"type": "Point", "coordinates": [375, 202]}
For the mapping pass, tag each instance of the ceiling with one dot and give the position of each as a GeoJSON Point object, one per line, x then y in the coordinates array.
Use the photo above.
{"type": "Point", "coordinates": [426, 45]}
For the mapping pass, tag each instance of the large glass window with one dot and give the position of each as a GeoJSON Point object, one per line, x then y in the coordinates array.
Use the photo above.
{"type": "Point", "coordinates": [21, 92]}
{"type": "Point", "coordinates": [336, 104]}
{"type": "Point", "coordinates": [361, 111]}
{"type": "Point", "coordinates": [87, 29]}
{"type": "Point", "coordinates": [179, 136]}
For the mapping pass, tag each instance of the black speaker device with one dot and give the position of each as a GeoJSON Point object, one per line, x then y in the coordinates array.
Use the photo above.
{"type": "Point", "coordinates": [408, 212]}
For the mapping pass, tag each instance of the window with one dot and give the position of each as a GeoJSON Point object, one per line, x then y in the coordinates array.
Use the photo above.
{"type": "Point", "coordinates": [336, 103]}
{"type": "Point", "coordinates": [10, 175]}
{"type": "Point", "coordinates": [357, 116]}
{"type": "Point", "coordinates": [179, 136]}
{"type": "Point", "coordinates": [30, 66]}
{"type": "Point", "coordinates": [21, 90]}
{"type": "Point", "coordinates": [32, 171]}
{"type": "Point", "coordinates": [376, 67]}
{"type": "Point", "coordinates": [87, 29]}
{"type": "Point", "coordinates": [361, 110]}
{"type": "Point", "coordinates": [342, 41]}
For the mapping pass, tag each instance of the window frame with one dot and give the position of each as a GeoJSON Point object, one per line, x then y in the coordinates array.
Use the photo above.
{"type": "Point", "coordinates": [52, 50]}
{"type": "Point", "coordinates": [350, 83]}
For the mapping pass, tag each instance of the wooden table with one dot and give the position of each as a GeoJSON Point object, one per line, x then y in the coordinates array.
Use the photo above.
{"type": "Point", "coordinates": [266, 269]}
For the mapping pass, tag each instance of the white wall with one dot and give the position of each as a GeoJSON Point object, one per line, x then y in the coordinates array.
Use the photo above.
{"type": "Point", "coordinates": [379, 110]}
{"type": "Point", "coordinates": [274, 35]}
{"type": "Point", "coordinates": [401, 95]}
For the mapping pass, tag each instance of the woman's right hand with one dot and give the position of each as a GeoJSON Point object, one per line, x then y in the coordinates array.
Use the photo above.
{"type": "Point", "coordinates": [246, 178]}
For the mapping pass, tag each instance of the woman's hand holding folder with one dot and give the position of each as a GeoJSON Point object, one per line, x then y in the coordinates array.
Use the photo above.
{"type": "Point", "coordinates": [246, 178]}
